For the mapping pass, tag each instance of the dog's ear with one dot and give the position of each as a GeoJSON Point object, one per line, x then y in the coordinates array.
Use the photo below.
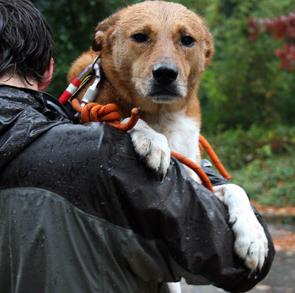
{"type": "Point", "coordinates": [101, 30]}
{"type": "Point", "coordinates": [209, 48]}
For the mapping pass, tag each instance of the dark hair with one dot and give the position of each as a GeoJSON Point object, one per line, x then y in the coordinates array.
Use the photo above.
{"type": "Point", "coordinates": [26, 44]}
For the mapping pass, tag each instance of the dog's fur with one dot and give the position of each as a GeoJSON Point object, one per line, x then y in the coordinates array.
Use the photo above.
{"type": "Point", "coordinates": [128, 66]}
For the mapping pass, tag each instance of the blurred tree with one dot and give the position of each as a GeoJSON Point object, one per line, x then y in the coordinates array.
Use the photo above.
{"type": "Point", "coordinates": [280, 28]}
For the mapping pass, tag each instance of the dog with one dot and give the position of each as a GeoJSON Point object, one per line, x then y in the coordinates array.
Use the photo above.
{"type": "Point", "coordinates": [152, 56]}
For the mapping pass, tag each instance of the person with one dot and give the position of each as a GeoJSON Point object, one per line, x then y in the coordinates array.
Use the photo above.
{"type": "Point", "coordinates": [79, 211]}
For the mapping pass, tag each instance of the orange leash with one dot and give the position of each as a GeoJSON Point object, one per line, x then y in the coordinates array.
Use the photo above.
{"type": "Point", "coordinates": [213, 156]}
{"type": "Point", "coordinates": [194, 166]}
{"type": "Point", "coordinates": [109, 113]}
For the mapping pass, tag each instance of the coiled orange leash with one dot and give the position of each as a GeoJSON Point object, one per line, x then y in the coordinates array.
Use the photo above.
{"type": "Point", "coordinates": [94, 112]}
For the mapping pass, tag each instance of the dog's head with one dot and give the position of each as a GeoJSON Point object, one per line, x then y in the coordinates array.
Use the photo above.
{"type": "Point", "coordinates": [155, 51]}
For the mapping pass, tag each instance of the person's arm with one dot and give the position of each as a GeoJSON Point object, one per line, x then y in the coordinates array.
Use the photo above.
{"type": "Point", "coordinates": [180, 226]}
{"type": "Point", "coordinates": [176, 226]}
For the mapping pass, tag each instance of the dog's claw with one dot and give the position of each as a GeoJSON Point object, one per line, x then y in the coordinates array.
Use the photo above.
{"type": "Point", "coordinates": [152, 146]}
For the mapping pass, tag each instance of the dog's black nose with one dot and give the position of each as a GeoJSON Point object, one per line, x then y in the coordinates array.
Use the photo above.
{"type": "Point", "coordinates": [165, 73]}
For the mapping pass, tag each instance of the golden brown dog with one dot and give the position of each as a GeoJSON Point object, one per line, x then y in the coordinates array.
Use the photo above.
{"type": "Point", "coordinates": [152, 56]}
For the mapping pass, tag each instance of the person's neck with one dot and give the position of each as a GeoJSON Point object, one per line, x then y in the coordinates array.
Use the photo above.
{"type": "Point", "coordinates": [18, 82]}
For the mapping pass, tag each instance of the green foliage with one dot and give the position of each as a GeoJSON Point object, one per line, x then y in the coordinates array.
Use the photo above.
{"type": "Point", "coordinates": [239, 147]}
{"type": "Point", "coordinates": [270, 181]}
{"type": "Point", "coordinates": [244, 85]}
{"type": "Point", "coordinates": [260, 160]}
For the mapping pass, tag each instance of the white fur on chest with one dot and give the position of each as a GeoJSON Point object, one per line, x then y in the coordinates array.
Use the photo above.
{"type": "Point", "coordinates": [182, 133]}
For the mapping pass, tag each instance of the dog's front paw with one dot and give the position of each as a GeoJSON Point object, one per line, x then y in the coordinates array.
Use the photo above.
{"type": "Point", "coordinates": [250, 241]}
{"type": "Point", "coordinates": [152, 146]}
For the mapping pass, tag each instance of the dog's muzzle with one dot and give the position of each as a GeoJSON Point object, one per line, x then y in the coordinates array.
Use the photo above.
{"type": "Point", "coordinates": [164, 85]}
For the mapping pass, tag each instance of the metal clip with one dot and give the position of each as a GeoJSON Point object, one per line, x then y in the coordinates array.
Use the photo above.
{"type": "Point", "coordinates": [92, 91]}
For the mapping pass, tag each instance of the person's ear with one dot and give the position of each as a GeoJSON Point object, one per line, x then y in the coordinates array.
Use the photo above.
{"type": "Point", "coordinates": [47, 76]}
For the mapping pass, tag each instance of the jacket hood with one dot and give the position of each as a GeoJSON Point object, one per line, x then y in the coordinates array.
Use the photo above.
{"type": "Point", "coordinates": [24, 115]}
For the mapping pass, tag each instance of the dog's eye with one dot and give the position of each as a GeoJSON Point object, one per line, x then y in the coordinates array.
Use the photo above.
{"type": "Point", "coordinates": [140, 38]}
{"type": "Point", "coordinates": [187, 41]}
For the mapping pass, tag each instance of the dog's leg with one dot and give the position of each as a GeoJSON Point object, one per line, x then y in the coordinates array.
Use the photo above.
{"type": "Point", "coordinates": [251, 243]}
{"type": "Point", "coordinates": [152, 146]}
{"type": "Point", "coordinates": [182, 133]}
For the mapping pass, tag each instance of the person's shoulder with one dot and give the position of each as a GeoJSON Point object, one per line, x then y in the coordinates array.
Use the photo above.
{"type": "Point", "coordinates": [87, 140]}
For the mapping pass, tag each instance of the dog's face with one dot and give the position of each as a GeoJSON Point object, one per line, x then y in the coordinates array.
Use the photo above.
{"type": "Point", "coordinates": [154, 50]}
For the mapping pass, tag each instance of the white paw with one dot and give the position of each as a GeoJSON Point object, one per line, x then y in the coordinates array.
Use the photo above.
{"type": "Point", "coordinates": [152, 146]}
{"type": "Point", "coordinates": [250, 241]}
{"type": "Point", "coordinates": [174, 287]}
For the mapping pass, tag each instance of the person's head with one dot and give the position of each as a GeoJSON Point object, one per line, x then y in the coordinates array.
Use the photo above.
{"type": "Point", "coordinates": [26, 44]}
